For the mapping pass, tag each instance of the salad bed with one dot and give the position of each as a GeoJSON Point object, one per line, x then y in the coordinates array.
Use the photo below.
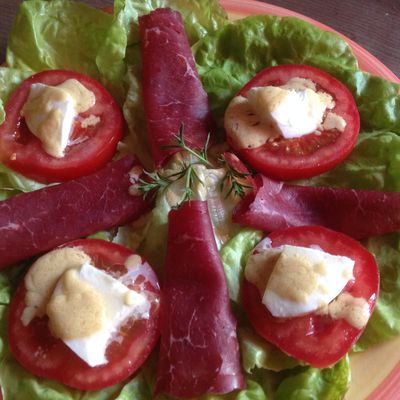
{"type": "Point", "coordinates": [106, 47]}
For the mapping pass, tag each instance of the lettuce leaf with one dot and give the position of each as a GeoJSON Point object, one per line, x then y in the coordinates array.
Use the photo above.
{"type": "Point", "coordinates": [374, 164]}
{"type": "Point", "coordinates": [385, 321]}
{"type": "Point", "coordinates": [377, 99]}
{"type": "Point", "coordinates": [234, 257]}
{"type": "Point", "coordinates": [12, 183]}
{"type": "Point", "coordinates": [314, 383]}
{"type": "Point", "coordinates": [258, 353]}
{"type": "Point", "coordinates": [9, 79]}
{"type": "Point", "coordinates": [62, 34]}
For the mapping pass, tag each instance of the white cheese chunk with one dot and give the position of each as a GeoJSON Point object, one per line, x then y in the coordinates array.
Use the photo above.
{"type": "Point", "coordinates": [51, 119]}
{"type": "Point", "coordinates": [301, 280]}
{"type": "Point", "coordinates": [120, 304]}
{"type": "Point", "coordinates": [50, 112]}
{"type": "Point", "coordinates": [294, 113]}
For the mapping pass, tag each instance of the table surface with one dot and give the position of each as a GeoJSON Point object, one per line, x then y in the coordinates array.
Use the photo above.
{"type": "Point", "coordinates": [371, 23]}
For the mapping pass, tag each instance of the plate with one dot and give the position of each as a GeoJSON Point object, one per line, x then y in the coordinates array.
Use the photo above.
{"type": "Point", "coordinates": [381, 379]}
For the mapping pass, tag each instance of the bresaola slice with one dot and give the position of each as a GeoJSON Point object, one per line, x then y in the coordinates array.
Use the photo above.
{"type": "Point", "coordinates": [358, 213]}
{"type": "Point", "coordinates": [172, 90]}
{"type": "Point", "coordinates": [32, 223]}
{"type": "Point", "coordinates": [199, 350]}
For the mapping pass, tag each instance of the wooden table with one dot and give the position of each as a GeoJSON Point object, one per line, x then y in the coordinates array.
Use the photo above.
{"type": "Point", "coordinates": [374, 24]}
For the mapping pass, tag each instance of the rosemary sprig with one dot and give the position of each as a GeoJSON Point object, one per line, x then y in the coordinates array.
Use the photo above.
{"type": "Point", "coordinates": [190, 178]}
{"type": "Point", "coordinates": [158, 181]}
{"type": "Point", "coordinates": [234, 179]}
{"type": "Point", "coordinates": [155, 182]}
{"type": "Point", "coordinates": [180, 144]}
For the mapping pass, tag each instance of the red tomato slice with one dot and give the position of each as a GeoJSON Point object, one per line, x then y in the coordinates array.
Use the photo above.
{"type": "Point", "coordinates": [43, 355]}
{"type": "Point", "coordinates": [91, 147]}
{"type": "Point", "coordinates": [311, 154]}
{"type": "Point", "coordinates": [316, 339]}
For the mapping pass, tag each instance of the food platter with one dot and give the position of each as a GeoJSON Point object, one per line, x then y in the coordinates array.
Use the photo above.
{"type": "Point", "coordinates": [381, 379]}
{"type": "Point", "coordinates": [376, 373]}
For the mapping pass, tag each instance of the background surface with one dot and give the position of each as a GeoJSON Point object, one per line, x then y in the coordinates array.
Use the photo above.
{"type": "Point", "coordinates": [374, 24]}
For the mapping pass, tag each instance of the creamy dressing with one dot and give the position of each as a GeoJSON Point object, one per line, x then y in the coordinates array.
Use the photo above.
{"type": "Point", "coordinates": [355, 310]}
{"type": "Point", "coordinates": [75, 309]}
{"type": "Point", "coordinates": [43, 275]}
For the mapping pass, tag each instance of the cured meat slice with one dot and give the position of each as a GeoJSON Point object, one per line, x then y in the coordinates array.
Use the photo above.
{"type": "Point", "coordinates": [199, 350]}
{"type": "Point", "coordinates": [172, 90]}
{"type": "Point", "coordinates": [35, 222]}
{"type": "Point", "coordinates": [358, 213]}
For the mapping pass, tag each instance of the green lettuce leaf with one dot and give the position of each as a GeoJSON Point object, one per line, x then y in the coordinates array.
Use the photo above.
{"type": "Point", "coordinates": [377, 99]}
{"type": "Point", "coordinates": [258, 353]}
{"type": "Point", "coordinates": [12, 183]}
{"type": "Point", "coordinates": [234, 257]}
{"type": "Point", "coordinates": [385, 321]}
{"type": "Point", "coordinates": [10, 78]}
{"type": "Point", "coordinates": [374, 164]}
{"type": "Point", "coordinates": [316, 384]}
{"type": "Point", "coordinates": [62, 34]}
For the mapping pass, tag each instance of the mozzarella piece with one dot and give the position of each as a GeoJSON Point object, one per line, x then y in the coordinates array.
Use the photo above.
{"type": "Point", "coordinates": [300, 280]}
{"type": "Point", "coordinates": [294, 113]}
{"type": "Point", "coordinates": [120, 303]}
{"type": "Point", "coordinates": [50, 112]}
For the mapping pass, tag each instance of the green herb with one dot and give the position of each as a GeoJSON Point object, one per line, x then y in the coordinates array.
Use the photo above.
{"type": "Point", "coordinates": [234, 179]}
{"type": "Point", "coordinates": [158, 181]}
{"type": "Point", "coordinates": [155, 182]}
{"type": "Point", "coordinates": [190, 178]}
{"type": "Point", "coordinates": [180, 144]}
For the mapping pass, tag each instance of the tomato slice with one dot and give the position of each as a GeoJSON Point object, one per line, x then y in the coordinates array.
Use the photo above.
{"type": "Point", "coordinates": [91, 147]}
{"type": "Point", "coordinates": [43, 355]}
{"type": "Point", "coordinates": [316, 339]}
{"type": "Point", "coordinates": [310, 154]}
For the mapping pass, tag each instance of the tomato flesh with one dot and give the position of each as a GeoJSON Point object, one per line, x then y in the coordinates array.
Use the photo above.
{"type": "Point", "coordinates": [310, 154]}
{"type": "Point", "coordinates": [90, 147]}
{"type": "Point", "coordinates": [46, 356]}
{"type": "Point", "coordinates": [316, 339]}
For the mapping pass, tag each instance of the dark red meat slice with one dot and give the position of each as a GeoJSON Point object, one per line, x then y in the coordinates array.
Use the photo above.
{"type": "Point", "coordinates": [199, 349]}
{"type": "Point", "coordinates": [35, 222]}
{"type": "Point", "coordinates": [358, 213]}
{"type": "Point", "coordinates": [172, 90]}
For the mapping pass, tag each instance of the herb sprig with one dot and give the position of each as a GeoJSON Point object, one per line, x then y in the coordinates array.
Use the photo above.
{"type": "Point", "coordinates": [180, 144]}
{"type": "Point", "coordinates": [158, 181]}
{"type": "Point", "coordinates": [234, 179]}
